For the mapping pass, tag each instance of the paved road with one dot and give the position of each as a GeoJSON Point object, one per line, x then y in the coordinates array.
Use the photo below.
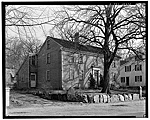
{"type": "Point", "coordinates": [132, 108]}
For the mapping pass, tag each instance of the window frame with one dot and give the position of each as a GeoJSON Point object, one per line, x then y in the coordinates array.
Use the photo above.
{"type": "Point", "coordinates": [122, 79]}
{"type": "Point", "coordinates": [34, 75]}
{"type": "Point", "coordinates": [114, 64]}
{"type": "Point", "coordinates": [71, 59]}
{"type": "Point", "coordinates": [128, 68]}
{"type": "Point", "coordinates": [138, 78]}
{"type": "Point", "coordinates": [47, 75]}
{"type": "Point", "coordinates": [33, 60]}
{"type": "Point", "coordinates": [48, 58]}
{"type": "Point", "coordinates": [48, 44]}
{"type": "Point", "coordinates": [80, 59]}
{"type": "Point", "coordinates": [138, 67]}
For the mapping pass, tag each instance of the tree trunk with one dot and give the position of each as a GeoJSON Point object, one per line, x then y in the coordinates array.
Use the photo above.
{"type": "Point", "coordinates": [105, 83]}
{"type": "Point", "coordinates": [107, 53]}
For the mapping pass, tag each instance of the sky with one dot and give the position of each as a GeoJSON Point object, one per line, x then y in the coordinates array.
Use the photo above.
{"type": "Point", "coordinates": [36, 11]}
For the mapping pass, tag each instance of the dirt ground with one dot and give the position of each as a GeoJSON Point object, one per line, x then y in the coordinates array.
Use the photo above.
{"type": "Point", "coordinates": [30, 105]}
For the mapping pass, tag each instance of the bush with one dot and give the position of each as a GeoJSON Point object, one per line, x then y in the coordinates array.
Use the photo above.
{"type": "Point", "coordinates": [92, 83]}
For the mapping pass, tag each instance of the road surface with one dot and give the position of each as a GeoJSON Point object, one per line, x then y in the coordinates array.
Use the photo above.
{"type": "Point", "coordinates": [132, 108]}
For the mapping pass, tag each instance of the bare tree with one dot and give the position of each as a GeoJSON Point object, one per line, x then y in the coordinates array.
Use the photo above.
{"type": "Point", "coordinates": [18, 49]}
{"type": "Point", "coordinates": [26, 20]}
{"type": "Point", "coordinates": [22, 24]}
{"type": "Point", "coordinates": [110, 27]}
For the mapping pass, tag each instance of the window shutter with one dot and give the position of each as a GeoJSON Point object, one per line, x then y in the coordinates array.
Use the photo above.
{"type": "Point", "coordinates": [141, 67]}
{"type": "Point", "coordinates": [140, 78]}
{"type": "Point", "coordinates": [135, 78]}
{"type": "Point", "coordinates": [135, 67]}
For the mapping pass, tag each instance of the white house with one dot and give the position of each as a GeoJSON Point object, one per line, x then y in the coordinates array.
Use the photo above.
{"type": "Point", "coordinates": [132, 72]}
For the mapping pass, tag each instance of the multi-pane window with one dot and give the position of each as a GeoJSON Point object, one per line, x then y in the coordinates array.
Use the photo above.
{"type": "Point", "coordinates": [138, 78]}
{"type": "Point", "coordinates": [47, 75]}
{"type": "Point", "coordinates": [138, 67]}
{"type": "Point", "coordinates": [48, 44]}
{"type": "Point", "coordinates": [127, 68]}
{"type": "Point", "coordinates": [32, 60]}
{"type": "Point", "coordinates": [123, 79]}
{"type": "Point", "coordinates": [48, 58]}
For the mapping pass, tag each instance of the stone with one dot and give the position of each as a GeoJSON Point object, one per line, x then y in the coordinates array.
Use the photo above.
{"type": "Point", "coordinates": [121, 98]}
{"type": "Point", "coordinates": [126, 98]}
{"type": "Point", "coordinates": [135, 96]}
{"type": "Point", "coordinates": [79, 97]}
{"type": "Point", "coordinates": [104, 98]}
{"type": "Point", "coordinates": [96, 98]}
{"type": "Point", "coordinates": [64, 97]}
{"type": "Point", "coordinates": [129, 97]}
{"type": "Point", "coordinates": [90, 98]}
{"type": "Point", "coordinates": [101, 98]}
{"type": "Point", "coordinates": [108, 99]}
{"type": "Point", "coordinates": [114, 98]}
{"type": "Point", "coordinates": [85, 98]}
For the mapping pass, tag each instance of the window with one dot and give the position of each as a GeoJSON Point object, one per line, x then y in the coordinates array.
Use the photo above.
{"type": "Point", "coordinates": [47, 75]}
{"type": "Point", "coordinates": [71, 60]}
{"type": "Point", "coordinates": [127, 68]}
{"type": "Point", "coordinates": [138, 67]}
{"type": "Point", "coordinates": [48, 44]}
{"type": "Point", "coordinates": [80, 59]}
{"type": "Point", "coordinates": [33, 60]}
{"type": "Point", "coordinates": [123, 79]}
{"type": "Point", "coordinates": [48, 58]}
{"type": "Point", "coordinates": [22, 79]}
{"type": "Point", "coordinates": [33, 77]}
{"type": "Point", "coordinates": [71, 73]}
{"type": "Point", "coordinates": [138, 78]}
{"type": "Point", "coordinates": [114, 64]}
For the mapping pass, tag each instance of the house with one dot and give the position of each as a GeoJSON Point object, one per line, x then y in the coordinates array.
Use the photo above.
{"type": "Point", "coordinates": [132, 71]}
{"type": "Point", "coordinates": [62, 64]}
{"type": "Point", "coordinates": [9, 75]}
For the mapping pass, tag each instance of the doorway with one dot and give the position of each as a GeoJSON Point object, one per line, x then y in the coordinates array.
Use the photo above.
{"type": "Point", "coordinates": [127, 81]}
{"type": "Point", "coordinates": [33, 79]}
{"type": "Point", "coordinates": [96, 76]}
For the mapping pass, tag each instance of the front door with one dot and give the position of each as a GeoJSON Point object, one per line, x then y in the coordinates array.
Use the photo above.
{"type": "Point", "coordinates": [33, 79]}
{"type": "Point", "coordinates": [127, 81]}
{"type": "Point", "coordinates": [96, 77]}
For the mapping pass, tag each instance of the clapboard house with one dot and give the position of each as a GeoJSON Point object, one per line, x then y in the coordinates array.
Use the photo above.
{"type": "Point", "coordinates": [132, 71]}
{"type": "Point", "coordinates": [62, 64]}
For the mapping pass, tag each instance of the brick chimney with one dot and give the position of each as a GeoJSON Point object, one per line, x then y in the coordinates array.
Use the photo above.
{"type": "Point", "coordinates": [76, 39]}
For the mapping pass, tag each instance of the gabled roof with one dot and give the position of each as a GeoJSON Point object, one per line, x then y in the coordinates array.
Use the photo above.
{"type": "Point", "coordinates": [71, 45]}
{"type": "Point", "coordinates": [122, 62]}
{"type": "Point", "coordinates": [129, 59]}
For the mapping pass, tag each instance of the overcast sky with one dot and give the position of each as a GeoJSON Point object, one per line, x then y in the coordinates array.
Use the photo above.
{"type": "Point", "coordinates": [35, 11]}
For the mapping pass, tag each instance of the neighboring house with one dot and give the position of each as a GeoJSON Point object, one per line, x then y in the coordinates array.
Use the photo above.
{"type": "Point", "coordinates": [9, 75]}
{"type": "Point", "coordinates": [132, 72]}
{"type": "Point", "coordinates": [62, 64]}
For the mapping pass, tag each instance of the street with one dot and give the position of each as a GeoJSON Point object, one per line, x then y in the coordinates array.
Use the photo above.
{"type": "Point", "coordinates": [132, 108]}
